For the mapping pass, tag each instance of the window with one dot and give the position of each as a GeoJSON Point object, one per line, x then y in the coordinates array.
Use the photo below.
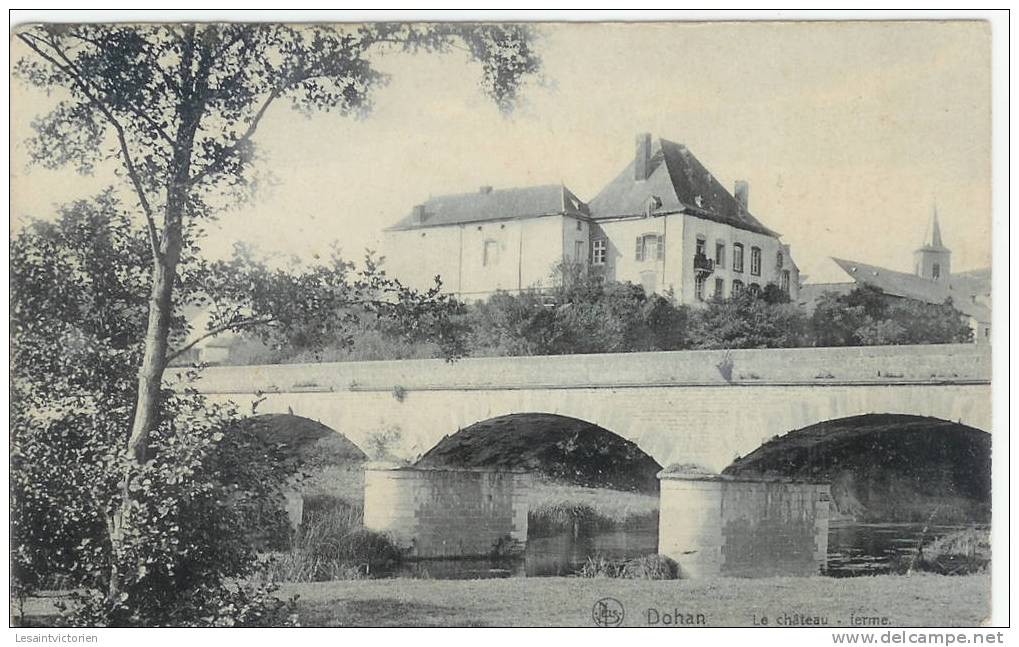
{"type": "Point", "coordinates": [599, 252]}
{"type": "Point", "coordinates": [737, 257]}
{"type": "Point", "coordinates": [701, 246]}
{"type": "Point", "coordinates": [936, 271]}
{"type": "Point", "coordinates": [578, 250]}
{"type": "Point", "coordinates": [785, 281]}
{"type": "Point", "coordinates": [755, 261]}
{"type": "Point", "coordinates": [719, 288]}
{"type": "Point", "coordinates": [580, 226]}
{"type": "Point", "coordinates": [755, 289]}
{"type": "Point", "coordinates": [720, 254]}
{"type": "Point", "coordinates": [650, 247]}
{"type": "Point", "coordinates": [698, 287]}
{"type": "Point", "coordinates": [779, 260]}
{"type": "Point", "coordinates": [491, 253]}
{"type": "Point", "coordinates": [737, 287]}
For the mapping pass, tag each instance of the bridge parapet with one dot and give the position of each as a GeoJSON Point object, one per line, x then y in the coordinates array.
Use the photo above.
{"type": "Point", "coordinates": [926, 364]}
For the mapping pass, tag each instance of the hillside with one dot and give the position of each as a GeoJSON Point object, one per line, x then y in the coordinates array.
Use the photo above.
{"type": "Point", "coordinates": [560, 448]}
{"type": "Point", "coordinates": [886, 467]}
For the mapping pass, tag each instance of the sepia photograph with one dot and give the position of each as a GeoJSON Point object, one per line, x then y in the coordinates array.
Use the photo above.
{"type": "Point", "coordinates": [507, 322]}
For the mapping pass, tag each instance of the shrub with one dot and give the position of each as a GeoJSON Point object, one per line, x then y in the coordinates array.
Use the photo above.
{"type": "Point", "coordinates": [332, 544]}
{"type": "Point", "coordinates": [958, 553]}
{"type": "Point", "coordinates": [645, 567]}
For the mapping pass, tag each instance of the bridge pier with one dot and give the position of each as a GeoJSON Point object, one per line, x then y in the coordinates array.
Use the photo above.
{"type": "Point", "coordinates": [714, 525]}
{"type": "Point", "coordinates": [448, 512]}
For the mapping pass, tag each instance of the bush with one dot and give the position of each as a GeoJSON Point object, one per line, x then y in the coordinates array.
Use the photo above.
{"type": "Point", "coordinates": [868, 317]}
{"type": "Point", "coordinates": [645, 567]}
{"type": "Point", "coordinates": [958, 553]}
{"type": "Point", "coordinates": [332, 544]}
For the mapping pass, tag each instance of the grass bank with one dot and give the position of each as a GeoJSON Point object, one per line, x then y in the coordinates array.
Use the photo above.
{"type": "Point", "coordinates": [921, 600]}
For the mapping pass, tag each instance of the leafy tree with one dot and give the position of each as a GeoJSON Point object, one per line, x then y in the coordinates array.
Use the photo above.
{"type": "Point", "coordinates": [747, 321]}
{"type": "Point", "coordinates": [868, 317]}
{"type": "Point", "coordinates": [581, 313]}
{"type": "Point", "coordinates": [77, 313]}
{"type": "Point", "coordinates": [177, 108]}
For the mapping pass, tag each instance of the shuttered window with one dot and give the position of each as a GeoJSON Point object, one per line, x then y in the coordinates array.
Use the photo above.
{"type": "Point", "coordinates": [649, 247]}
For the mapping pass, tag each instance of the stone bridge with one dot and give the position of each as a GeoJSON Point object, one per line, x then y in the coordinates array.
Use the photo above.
{"type": "Point", "coordinates": [706, 407]}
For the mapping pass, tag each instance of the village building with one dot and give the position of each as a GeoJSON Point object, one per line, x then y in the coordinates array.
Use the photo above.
{"type": "Point", "coordinates": [664, 222]}
{"type": "Point", "coordinates": [932, 281]}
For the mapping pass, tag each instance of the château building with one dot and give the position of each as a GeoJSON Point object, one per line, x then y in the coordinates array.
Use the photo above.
{"type": "Point", "coordinates": [664, 222]}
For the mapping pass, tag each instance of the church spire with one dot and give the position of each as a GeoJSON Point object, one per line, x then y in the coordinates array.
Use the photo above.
{"type": "Point", "coordinates": [933, 238]}
{"type": "Point", "coordinates": [933, 260]}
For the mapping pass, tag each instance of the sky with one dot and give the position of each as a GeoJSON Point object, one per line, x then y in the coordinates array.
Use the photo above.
{"type": "Point", "coordinates": [848, 134]}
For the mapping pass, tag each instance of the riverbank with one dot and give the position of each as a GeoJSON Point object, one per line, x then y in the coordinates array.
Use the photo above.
{"type": "Point", "coordinates": [920, 600]}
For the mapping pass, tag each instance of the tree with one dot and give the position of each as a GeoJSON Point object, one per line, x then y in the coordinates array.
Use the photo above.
{"type": "Point", "coordinates": [179, 106]}
{"type": "Point", "coordinates": [77, 313]}
{"type": "Point", "coordinates": [747, 321]}
{"type": "Point", "coordinates": [866, 316]}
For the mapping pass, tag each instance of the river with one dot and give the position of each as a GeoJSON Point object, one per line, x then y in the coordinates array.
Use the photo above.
{"type": "Point", "coordinates": [854, 549]}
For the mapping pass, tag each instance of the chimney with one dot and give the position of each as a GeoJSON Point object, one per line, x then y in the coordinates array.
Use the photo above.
{"type": "Point", "coordinates": [742, 192]}
{"type": "Point", "coordinates": [419, 213]}
{"type": "Point", "coordinates": [485, 189]}
{"type": "Point", "coordinates": [642, 162]}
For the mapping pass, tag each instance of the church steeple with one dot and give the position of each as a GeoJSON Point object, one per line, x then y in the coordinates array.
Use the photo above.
{"type": "Point", "coordinates": [932, 241]}
{"type": "Point", "coordinates": [933, 259]}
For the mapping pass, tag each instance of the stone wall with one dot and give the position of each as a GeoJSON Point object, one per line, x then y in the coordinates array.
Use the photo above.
{"type": "Point", "coordinates": [446, 512]}
{"type": "Point", "coordinates": [714, 526]}
{"type": "Point", "coordinates": [953, 363]}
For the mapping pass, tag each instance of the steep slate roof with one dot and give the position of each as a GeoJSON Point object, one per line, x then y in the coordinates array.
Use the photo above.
{"type": "Point", "coordinates": [677, 178]}
{"type": "Point", "coordinates": [501, 204]}
{"type": "Point", "coordinates": [901, 284]}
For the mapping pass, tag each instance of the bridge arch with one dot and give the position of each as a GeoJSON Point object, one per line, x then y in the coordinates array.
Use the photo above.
{"type": "Point", "coordinates": [886, 467]}
{"type": "Point", "coordinates": [562, 448]}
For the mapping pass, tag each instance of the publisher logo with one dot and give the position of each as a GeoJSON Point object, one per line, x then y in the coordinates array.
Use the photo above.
{"type": "Point", "coordinates": [608, 612]}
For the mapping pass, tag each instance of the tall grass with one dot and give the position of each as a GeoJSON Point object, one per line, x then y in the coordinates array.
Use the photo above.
{"type": "Point", "coordinates": [557, 508]}
{"type": "Point", "coordinates": [332, 544]}
{"type": "Point", "coordinates": [645, 567]}
{"type": "Point", "coordinates": [958, 553]}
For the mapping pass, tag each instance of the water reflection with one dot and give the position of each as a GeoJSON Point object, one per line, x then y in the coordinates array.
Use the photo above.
{"type": "Point", "coordinates": [854, 549]}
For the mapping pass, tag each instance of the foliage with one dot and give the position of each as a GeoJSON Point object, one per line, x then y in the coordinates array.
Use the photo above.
{"type": "Point", "coordinates": [958, 553]}
{"type": "Point", "coordinates": [748, 321]}
{"type": "Point", "coordinates": [176, 107]}
{"type": "Point", "coordinates": [332, 544]}
{"type": "Point", "coordinates": [582, 313]}
{"type": "Point", "coordinates": [77, 316]}
{"type": "Point", "coordinates": [645, 567]}
{"type": "Point", "coordinates": [868, 317]}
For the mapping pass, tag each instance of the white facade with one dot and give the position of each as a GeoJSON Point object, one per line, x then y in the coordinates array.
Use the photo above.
{"type": "Point", "coordinates": [475, 260]}
{"type": "Point", "coordinates": [664, 223]}
{"type": "Point", "coordinates": [672, 270]}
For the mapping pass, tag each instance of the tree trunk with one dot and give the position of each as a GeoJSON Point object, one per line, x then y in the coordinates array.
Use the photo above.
{"type": "Point", "coordinates": [164, 275]}
{"type": "Point", "coordinates": [150, 374]}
